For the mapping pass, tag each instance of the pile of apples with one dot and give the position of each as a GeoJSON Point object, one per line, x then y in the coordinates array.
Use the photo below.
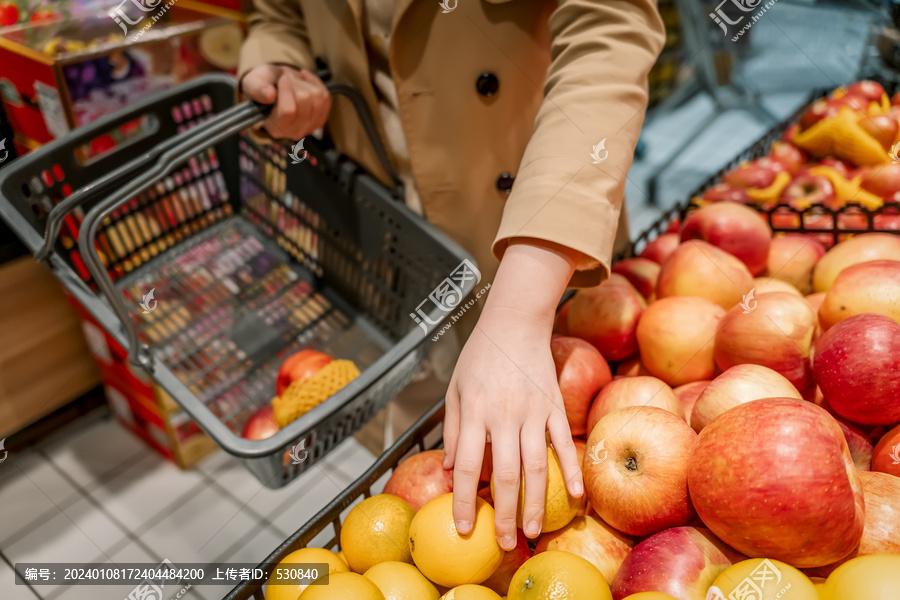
{"type": "Point", "coordinates": [843, 149]}
{"type": "Point", "coordinates": [733, 395]}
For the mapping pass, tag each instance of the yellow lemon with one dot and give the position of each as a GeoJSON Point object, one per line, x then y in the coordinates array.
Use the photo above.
{"type": "Point", "coordinates": [377, 530]}
{"type": "Point", "coordinates": [869, 577]}
{"type": "Point", "coordinates": [446, 557]}
{"type": "Point", "coordinates": [471, 591]}
{"type": "Point", "coordinates": [559, 506]}
{"type": "Point", "coordinates": [776, 580]}
{"type": "Point", "coordinates": [401, 581]}
{"type": "Point", "coordinates": [346, 586]}
{"type": "Point", "coordinates": [559, 575]}
{"type": "Point", "coordinates": [300, 559]}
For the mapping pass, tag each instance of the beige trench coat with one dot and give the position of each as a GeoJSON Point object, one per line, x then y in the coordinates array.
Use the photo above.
{"type": "Point", "coordinates": [490, 93]}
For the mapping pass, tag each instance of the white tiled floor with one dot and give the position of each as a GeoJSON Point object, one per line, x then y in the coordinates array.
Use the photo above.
{"type": "Point", "coordinates": [94, 493]}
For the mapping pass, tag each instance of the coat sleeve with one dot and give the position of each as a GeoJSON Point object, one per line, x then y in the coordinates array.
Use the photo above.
{"type": "Point", "coordinates": [595, 89]}
{"type": "Point", "coordinates": [278, 35]}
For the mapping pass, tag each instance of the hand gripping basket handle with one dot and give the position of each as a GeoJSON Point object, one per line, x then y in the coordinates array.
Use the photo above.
{"type": "Point", "coordinates": [176, 151]}
{"type": "Point", "coordinates": [115, 177]}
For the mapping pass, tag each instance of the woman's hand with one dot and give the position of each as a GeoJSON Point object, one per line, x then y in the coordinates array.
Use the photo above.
{"type": "Point", "coordinates": [504, 389]}
{"type": "Point", "coordinates": [302, 101]}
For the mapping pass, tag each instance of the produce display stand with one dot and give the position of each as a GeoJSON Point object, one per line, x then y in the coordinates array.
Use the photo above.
{"type": "Point", "coordinates": [413, 441]}
{"type": "Point", "coordinates": [212, 259]}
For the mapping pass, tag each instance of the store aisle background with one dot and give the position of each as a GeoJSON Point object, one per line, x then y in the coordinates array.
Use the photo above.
{"type": "Point", "coordinates": [94, 493]}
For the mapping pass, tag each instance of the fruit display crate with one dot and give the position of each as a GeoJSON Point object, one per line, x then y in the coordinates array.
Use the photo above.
{"type": "Point", "coordinates": [317, 532]}
{"type": "Point", "coordinates": [828, 225]}
{"type": "Point", "coordinates": [211, 259]}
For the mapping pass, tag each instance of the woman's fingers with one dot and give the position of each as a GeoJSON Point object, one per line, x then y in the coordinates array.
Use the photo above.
{"type": "Point", "coordinates": [506, 479]}
{"type": "Point", "coordinates": [259, 83]}
{"type": "Point", "coordinates": [451, 425]}
{"type": "Point", "coordinates": [466, 470]}
{"type": "Point", "coordinates": [561, 436]}
{"type": "Point", "coordinates": [534, 462]}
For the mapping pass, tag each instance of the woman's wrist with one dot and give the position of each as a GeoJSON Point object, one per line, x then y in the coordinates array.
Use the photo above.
{"type": "Point", "coordinates": [530, 281]}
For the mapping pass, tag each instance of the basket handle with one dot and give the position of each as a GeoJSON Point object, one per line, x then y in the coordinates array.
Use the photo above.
{"type": "Point", "coordinates": [120, 174]}
{"type": "Point", "coordinates": [177, 150]}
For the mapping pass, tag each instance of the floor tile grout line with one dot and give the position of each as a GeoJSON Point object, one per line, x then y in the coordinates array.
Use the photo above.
{"type": "Point", "coordinates": [250, 511]}
{"type": "Point", "coordinates": [30, 587]}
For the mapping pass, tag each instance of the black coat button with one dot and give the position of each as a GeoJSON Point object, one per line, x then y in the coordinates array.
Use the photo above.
{"type": "Point", "coordinates": [505, 182]}
{"type": "Point", "coordinates": [487, 84]}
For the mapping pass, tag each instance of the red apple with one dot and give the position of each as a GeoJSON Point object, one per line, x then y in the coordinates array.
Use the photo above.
{"type": "Point", "coordinates": [881, 127]}
{"type": "Point", "coordinates": [673, 226]}
{"type": "Point", "coordinates": [868, 90]}
{"type": "Point", "coordinates": [607, 317]}
{"type": "Point", "coordinates": [858, 442]}
{"type": "Point", "coordinates": [881, 180]}
{"type": "Point", "coordinates": [857, 365]}
{"type": "Point", "coordinates": [698, 268]}
{"type": "Point", "coordinates": [591, 539]}
{"type": "Point", "coordinates": [674, 338]}
{"type": "Point", "coordinates": [640, 272]}
{"type": "Point", "coordinates": [261, 425]}
{"type": "Point", "coordinates": [299, 367]}
{"type": "Point", "coordinates": [808, 190]}
{"type": "Point", "coordinates": [777, 332]}
{"type": "Point", "coordinates": [631, 367]}
{"type": "Point", "coordinates": [750, 176]}
{"type": "Point", "coordinates": [512, 560]}
{"type": "Point", "coordinates": [722, 192]}
{"type": "Point", "coordinates": [688, 395]}
{"type": "Point", "coordinates": [681, 562]}
{"type": "Point", "coordinates": [895, 101]}
{"type": "Point", "coordinates": [581, 372]}
{"type": "Point", "coordinates": [735, 228]}
{"type": "Point", "coordinates": [792, 258]}
{"type": "Point", "coordinates": [769, 477]}
{"type": "Point", "coordinates": [881, 532]}
{"type": "Point", "coordinates": [820, 109]}
{"type": "Point", "coordinates": [659, 249]}
{"type": "Point", "coordinates": [870, 287]}
{"type": "Point", "coordinates": [738, 385]}
{"type": "Point", "coordinates": [633, 391]}
{"type": "Point", "coordinates": [791, 157]}
{"type": "Point", "coordinates": [420, 479]}
{"type": "Point", "coordinates": [886, 455]}
{"type": "Point", "coordinates": [635, 469]}
{"type": "Point", "coordinates": [560, 325]}
{"type": "Point", "coordinates": [859, 249]}
{"type": "Point", "coordinates": [838, 165]}
{"type": "Point", "coordinates": [790, 133]}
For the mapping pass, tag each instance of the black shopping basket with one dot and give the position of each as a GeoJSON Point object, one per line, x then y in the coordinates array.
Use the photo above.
{"type": "Point", "coordinates": [212, 259]}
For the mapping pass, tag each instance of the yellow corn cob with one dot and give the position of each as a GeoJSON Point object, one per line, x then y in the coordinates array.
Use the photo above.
{"type": "Point", "coordinates": [301, 397]}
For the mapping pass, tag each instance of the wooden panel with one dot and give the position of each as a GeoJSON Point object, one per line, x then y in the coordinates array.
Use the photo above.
{"type": "Point", "coordinates": [44, 361]}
